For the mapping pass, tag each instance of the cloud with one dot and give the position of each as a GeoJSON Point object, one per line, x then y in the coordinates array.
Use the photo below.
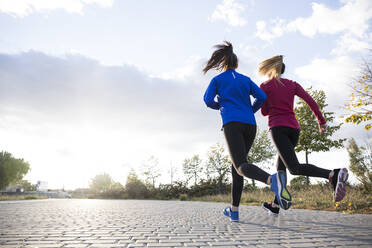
{"type": "Point", "coordinates": [190, 72]}
{"type": "Point", "coordinates": [22, 8]}
{"type": "Point", "coordinates": [331, 75]}
{"type": "Point", "coordinates": [334, 76]}
{"type": "Point", "coordinates": [276, 29]}
{"type": "Point", "coordinates": [76, 87]}
{"type": "Point", "coordinates": [348, 43]}
{"type": "Point", "coordinates": [230, 12]}
{"type": "Point", "coordinates": [352, 18]}
{"type": "Point", "coordinates": [329, 72]}
{"type": "Point", "coordinates": [75, 114]}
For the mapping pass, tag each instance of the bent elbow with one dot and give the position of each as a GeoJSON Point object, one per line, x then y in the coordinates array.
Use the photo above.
{"type": "Point", "coordinates": [209, 103]}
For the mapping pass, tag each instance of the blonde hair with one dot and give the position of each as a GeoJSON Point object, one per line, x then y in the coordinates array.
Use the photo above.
{"type": "Point", "coordinates": [272, 67]}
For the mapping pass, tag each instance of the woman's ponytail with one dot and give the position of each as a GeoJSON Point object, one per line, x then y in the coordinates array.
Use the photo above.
{"type": "Point", "coordinates": [222, 58]}
{"type": "Point", "coordinates": [272, 67]}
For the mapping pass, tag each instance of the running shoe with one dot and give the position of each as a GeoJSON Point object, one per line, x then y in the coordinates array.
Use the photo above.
{"type": "Point", "coordinates": [278, 186]}
{"type": "Point", "coordinates": [338, 180]}
{"type": "Point", "coordinates": [234, 215]}
{"type": "Point", "coordinates": [271, 209]}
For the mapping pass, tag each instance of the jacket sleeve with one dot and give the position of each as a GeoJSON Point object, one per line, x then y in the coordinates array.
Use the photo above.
{"type": "Point", "coordinates": [260, 96]}
{"type": "Point", "coordinates": [264, 108]}
{"type": "Point", "coordinates": [300, 92]}
{"type": "Point", "coordinates": [210, 94]}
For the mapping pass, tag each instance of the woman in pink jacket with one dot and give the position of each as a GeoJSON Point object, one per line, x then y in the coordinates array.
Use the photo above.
{"type": "Point", "coordinates": [285, 130]}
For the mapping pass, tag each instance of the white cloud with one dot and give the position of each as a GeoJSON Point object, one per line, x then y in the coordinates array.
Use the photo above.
{"type": "Point", "coordinates": [22, 8]}
{"type": "Point", "coordinates": [276, 29]}
{"type": "Point", "coordinates": [348, 43]}
{"type": "Point", "coordinates": [230, 12]}
{"type": "Point", "coordinates": [191, 70]}
{"type": "Point", "coordinates": [353, 18]}
{"type": "Point", "coordinates": [331, 75]}
{"type": "Point", "coordinates": [74, 114]}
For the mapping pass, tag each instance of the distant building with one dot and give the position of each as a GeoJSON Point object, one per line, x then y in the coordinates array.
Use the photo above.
{"type": "Point", "coordinates": [42, 186]}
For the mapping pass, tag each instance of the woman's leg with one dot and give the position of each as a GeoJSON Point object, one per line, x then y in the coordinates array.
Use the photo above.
{"type": "Point", "coordinates": [239, 140]}
{"type": "Point", "coordinates": [236, 187]}
{"type": "Point", "coordinates": [280, 166]}
{"type": "Point", "coordinates": [285, 140]}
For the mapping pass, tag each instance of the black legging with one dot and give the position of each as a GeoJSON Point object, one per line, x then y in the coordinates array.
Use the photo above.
{"type": "Point", "coordinates": [285, 140]}
{"type": "Point", "coordinates": [239, 139]}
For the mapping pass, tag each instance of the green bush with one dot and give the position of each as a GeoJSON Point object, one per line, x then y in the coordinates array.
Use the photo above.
{"type": "Point", "coordinates": [31, 197]}
{"type": "Point", "coordinates": [299, 182]}
{"type": "Point", "coordinates": [183, 197]}
{"type": "Point", "coordinates": [136, 190]}
{"type": "Point", "coordinates": [172, 191]}
{"type": "Point", "coordinates": [209, 187]}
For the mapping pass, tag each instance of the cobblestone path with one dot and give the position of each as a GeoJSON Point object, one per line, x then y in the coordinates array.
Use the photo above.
{"type": "Point", "coordinates": [135, 223]}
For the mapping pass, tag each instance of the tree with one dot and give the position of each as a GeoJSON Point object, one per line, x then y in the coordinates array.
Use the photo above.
{"type": "Point", "coordinates": [151, 170]}
{"type": "Point", "coordinates": [361, 98]}
{"type": "Point", "coordinates": [311, 140]}
{"type": "Point", "coordinates": [261, 151]}
{"type": "Point", "coordinates": [361, 163]}
{"type": "Point", "coordinates": [134, 187]}
{"type": "Point", "coordinates": [219, 163]}
{"type": "Point", "coordinates": [192, 168]}
{"type": "Point", "coordinates": [12, 169]}
{"type": "Point", "coordinates": [26, 185]}
{"type": "Point", "coordinates": [101, 183]}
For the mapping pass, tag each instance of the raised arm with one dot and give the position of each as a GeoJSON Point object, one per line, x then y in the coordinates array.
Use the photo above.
{"type": "Point", "coordinates": [210, 94]}
{"type": "Point", "coordinates": [259, 95]}
{"type": "Point", "coordinates": [311, 103]}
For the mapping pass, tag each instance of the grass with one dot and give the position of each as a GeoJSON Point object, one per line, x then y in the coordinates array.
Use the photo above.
{"type": "Point", "coordinates": [21, 197]}
{"type": "Point", "coordinates": [316, 197]}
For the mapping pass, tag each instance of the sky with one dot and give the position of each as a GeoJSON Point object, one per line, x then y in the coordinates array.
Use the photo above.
{"type": "Point", "coordinates": [99, 86]}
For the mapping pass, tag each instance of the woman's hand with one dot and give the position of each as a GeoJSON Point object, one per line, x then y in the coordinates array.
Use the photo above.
{"type": "Point", "coordinates": [322, 127]}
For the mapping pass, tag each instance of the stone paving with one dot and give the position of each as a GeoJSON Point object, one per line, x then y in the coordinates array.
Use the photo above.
{"type": "Point", "coordinates": [134, 223]}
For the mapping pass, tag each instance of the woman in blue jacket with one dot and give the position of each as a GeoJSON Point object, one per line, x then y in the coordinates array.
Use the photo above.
{"type": "Point", "coordinates": [233, 91]}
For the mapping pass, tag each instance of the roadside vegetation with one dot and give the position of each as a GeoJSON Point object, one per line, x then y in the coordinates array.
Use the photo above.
{"type": "Point", "coordinates": [314, 197]}
{"type": "Point", "coordinates": [21, 197]}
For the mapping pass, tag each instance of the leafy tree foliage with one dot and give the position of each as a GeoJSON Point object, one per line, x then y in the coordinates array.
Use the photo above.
{"type": "Point", "coordinates": [218, 163]}
{"type": "Point", "coordinates": [12, 169]}
{"type": "Point", "coordinates": [101, 183]}
{"type": "Point", "coordinates": [192, 168]}
{"type": "Point", "coordinates": [134, 187]}
{"type": "Point", "coordinates": [261, 151]}
{"type": "Point", "coordinates": [361, 163]}
{"type": "Point", "coordinates": [361, 98]}
{"type": "Point", "coordinates": [26, 185]}
{"type": "Point", "coordinates": [116, 190]}
{"type": "Point", "coordinates": [311, 140]}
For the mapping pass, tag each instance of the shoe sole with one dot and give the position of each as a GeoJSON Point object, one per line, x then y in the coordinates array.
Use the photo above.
{"type": "Point", "coordinates": [285, 200]}
{"type": "Point", "coordinates": [269, 211]}
{"type": "Point", "coordinates": [340, 190]}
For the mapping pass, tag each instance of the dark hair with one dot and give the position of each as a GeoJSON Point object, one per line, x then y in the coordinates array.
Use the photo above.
{"type": "Point", "coordinates": [283, 69]}
{"type": "Point", "coordinates": [222, 58]}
